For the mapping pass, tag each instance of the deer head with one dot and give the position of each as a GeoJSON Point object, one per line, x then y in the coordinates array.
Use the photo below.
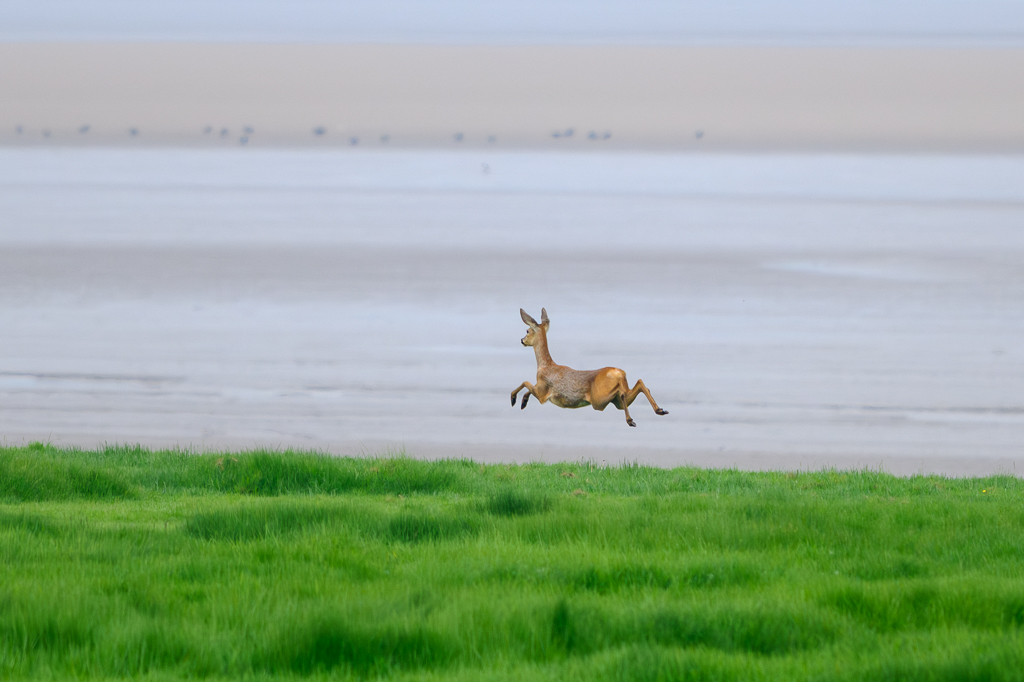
{"type": "Point", "coordinates": [534, 329]}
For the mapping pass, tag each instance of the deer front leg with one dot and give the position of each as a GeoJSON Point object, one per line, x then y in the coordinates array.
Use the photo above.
{"type": "Point", "coordinates": [637, 389]}
{"type": "Point", "coordinates": [526, 397]}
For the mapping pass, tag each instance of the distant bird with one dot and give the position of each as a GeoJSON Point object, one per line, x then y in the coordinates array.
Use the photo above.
{"type": "Point", "coordinates": [699, 134]}
{"type": "Point", "coordinates": [557, 133]}
{"type": "Point", "coordinates": [83, 130]}
{"type": "Point", "coordinates": [248, 130]}
{"type": "Point", "coordinates": [46, 133]}
{"type": "Point", "coordinates": [223, 132]}
{"type": "Point", "coordinates": [207, 130]}
{"type": "Point", "coordinates": [353, 141]}
{"type": "Point", "coordinates": [319, 131]}
{"type": "Point", "coordinates": [133, 131]}
{"type": "Point", "coordinates": [458, 137]}
{"type": "Point", "coordinates": [606, 136]}
{"type": "Point", "coordinates": [592, 135]}
{"type": "Point", "coordinates": [384, 139]}
{"type": "Point", "coordinates": [485, 169]}
{"type": "Point", "coordinates": [568, 132]}
{"type": "Point", "coordinates": [244, 139]}
{"type": "Point", "coordinates": [492, 139]}
{"type": "Point", "coordinates": [18, 130]}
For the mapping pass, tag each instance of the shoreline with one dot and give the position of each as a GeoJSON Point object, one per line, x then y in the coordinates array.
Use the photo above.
{"type": "Point", "coordinates": [902, 465]}
{"type": "Point", "coordinates": [571, 98]}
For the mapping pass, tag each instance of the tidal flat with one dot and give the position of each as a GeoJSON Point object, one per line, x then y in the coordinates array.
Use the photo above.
{"type": "Point", "coordinates": [789, 311]}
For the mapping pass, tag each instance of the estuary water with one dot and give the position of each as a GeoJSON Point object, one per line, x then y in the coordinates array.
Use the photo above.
{"type": "Point", "coordinates": [788, 311]}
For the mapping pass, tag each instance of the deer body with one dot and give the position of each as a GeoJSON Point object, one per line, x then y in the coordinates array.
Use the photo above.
{"type": "Point", "coordinates": [572, 388]}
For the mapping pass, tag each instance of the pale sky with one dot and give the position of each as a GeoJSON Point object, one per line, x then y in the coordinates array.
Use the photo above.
{"type": "Point", "coordinates": [757, 22]}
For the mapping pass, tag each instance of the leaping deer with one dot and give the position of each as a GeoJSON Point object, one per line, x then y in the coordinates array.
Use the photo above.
{"type": "Point", "coordinates": [573, 388]}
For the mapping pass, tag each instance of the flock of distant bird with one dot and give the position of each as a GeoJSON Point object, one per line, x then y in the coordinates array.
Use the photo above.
{"type": "Point", "coordinates": [321, 131]}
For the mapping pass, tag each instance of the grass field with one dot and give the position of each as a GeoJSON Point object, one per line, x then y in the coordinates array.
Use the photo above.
{"type": "Point", "coordinates": [161, 565]}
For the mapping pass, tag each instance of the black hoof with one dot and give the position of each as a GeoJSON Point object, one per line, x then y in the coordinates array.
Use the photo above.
{"type": "Point", "coordinates": [513, 400]}
{"type": "Point", "coordinates": [660, 411]}
{"type": "Point", "coordinates": [526, 398]}
{"type": "Point", "coordinates": [631, 422]}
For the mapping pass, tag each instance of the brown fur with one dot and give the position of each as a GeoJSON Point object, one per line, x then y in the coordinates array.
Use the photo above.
{"type": "Point", "coordinates": [572, 388]}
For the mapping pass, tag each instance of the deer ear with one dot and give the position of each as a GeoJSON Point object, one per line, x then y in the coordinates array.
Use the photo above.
{"type": "Point", "coordinates": [527, 319]}
{"type": "Point", "coordinates": [544, 318]}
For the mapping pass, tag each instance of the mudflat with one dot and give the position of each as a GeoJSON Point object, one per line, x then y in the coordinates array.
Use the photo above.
{"type": "Point", "coordinates": [788, 311]}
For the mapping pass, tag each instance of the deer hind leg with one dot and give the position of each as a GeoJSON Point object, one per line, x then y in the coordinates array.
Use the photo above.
{"type": "Point", "coordinates": [639, 388]}
{"type": "Point", "coordinates": [622, 399]}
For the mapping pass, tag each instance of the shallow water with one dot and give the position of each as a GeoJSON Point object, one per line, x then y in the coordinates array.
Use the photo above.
{"type": "Point", "coordinates": [787, 310]}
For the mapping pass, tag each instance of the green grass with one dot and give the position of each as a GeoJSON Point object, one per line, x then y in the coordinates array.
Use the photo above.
{"type": "Point", "coordinates": [129, 563]}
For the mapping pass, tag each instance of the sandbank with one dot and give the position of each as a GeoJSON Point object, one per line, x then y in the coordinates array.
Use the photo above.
{"type": "Point", "coordinates": [564, 97]}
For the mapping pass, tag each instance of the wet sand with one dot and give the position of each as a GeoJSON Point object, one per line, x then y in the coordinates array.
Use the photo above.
{"type": "Point", "coordinates": [789, 311]}
{"type": "Point", "coordinates": [538, 97]}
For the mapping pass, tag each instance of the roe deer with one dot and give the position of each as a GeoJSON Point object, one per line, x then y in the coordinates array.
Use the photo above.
{"type": "Point", "coordinates": [567, 387]}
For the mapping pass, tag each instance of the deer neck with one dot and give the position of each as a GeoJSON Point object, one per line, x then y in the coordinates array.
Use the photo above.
{"type": "Point", "coordinates": [540, 349]}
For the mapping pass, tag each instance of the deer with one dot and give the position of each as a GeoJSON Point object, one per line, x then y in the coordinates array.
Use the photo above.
{"type": "Point", "coordinates": [573, 388]}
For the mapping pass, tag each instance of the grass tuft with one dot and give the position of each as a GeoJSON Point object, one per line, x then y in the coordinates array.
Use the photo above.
{"type": "Point", "coordinates": [259, 521]}
{"type": "Point", "coordinates": [261, 473]}
{"type": "Point", "coordinates": [36, 476]}
{"type": "Point", "coordinates": [417, 527]}
{"type": "Point", "coordinates": [275, 473]}
{"type": "Point", "coordinates": [724, 572]}
{"type": "Point", "coordinates": [33, 524]}
{"type": "Point", "coordinates": [620, 578]}
{"type": "Point", "coordinates": [982, 667]}
{"type": "Point", "coordinates": [764, 630]}
{"type": "Point", "coordinates": [563, 628]}
{"type": "Point", "coordinates": [510, 502]}
{"type": "Point", "coordinates": [29, 625]}
{"type": "Point", "coordinates": [327, 643]}
{"type": "Point", "coordinates": [647, 663]}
